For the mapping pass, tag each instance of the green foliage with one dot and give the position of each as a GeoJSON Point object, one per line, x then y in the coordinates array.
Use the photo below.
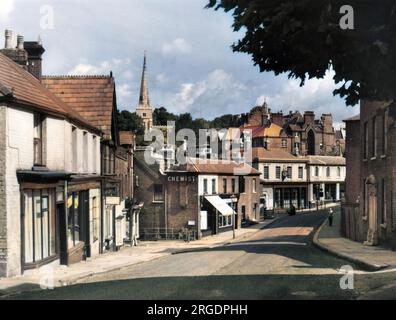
{"type": "Point", "coordinates": [128, 121]}
{"type": "Point", "coordinates": [304, 39]}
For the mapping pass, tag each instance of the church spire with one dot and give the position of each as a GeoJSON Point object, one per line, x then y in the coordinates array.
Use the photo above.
{"type": "Point", "coordinates": [144, 99]}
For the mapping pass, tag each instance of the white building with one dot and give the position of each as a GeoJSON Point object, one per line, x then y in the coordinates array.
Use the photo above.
{"type": "Point", "coordinates": [299, 181]}
{"type": "Point", "coordinates": [50, 187]}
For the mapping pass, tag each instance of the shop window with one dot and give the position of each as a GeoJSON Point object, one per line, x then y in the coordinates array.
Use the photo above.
{"type": "Point", "coordinates": [73, 220]}
{"type": "Point", "coordinates": [158, 193]}
{"type": "Point", "coordinates": [225, 221]}
{"type": "Point", "coordinates": [95, 218]}
{"type": "Point", "coordinates": [39, 225]}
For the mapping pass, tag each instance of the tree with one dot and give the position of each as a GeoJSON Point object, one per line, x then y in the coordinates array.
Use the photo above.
{"type": "Point", "coordinates": [161, 116]}
{"type": "Point", "coordinates": [128, 121]}
{"type": "Point", "coordinates": [305, 38]}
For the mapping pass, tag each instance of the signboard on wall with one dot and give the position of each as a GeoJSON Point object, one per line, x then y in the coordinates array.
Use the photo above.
{"type": "Point", "coordinates": [204, 220]}
{"type": "Point", "coordinates": [113, 201]}
{"type": "Point", "coordinates": [181, 178]}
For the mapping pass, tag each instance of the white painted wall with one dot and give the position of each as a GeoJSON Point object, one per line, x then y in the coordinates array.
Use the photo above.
{"type": "Point", "coordinates": [322, 177]}
{"type": "Point", "coordinates": [272, 171]}
{"type": "Point", "coordinates": [201, 179]}
{"type": "Point", "coordinates": [19, 156]}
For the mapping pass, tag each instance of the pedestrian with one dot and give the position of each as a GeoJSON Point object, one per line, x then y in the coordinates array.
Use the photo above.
{"type": "Point", "coordinates": [331, 216]}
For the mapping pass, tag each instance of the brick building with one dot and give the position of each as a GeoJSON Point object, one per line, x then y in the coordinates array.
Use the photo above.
{"type": "Point", "coordinates": [369, 212]}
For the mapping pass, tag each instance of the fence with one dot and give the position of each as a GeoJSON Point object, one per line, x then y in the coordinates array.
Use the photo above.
{"type": "Point", "coordinates": [155, 234]}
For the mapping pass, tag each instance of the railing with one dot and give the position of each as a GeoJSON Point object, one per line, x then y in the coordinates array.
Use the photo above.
{"type": "Point", "coordinates": [155, 234]}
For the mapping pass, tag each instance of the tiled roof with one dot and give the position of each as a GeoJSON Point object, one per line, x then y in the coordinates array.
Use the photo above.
{"type": "Point", "coordinates": [127, 138]}
{"type": "Point", "coordinates": [25, 89]}
{"type": "Point", "coordinates": [327, 160]}
{"type": "Point", "coordinates": [275, 155]}
{"type": "Point", "coordinates": [259, 131]}
{"type": "Point", "coordinates": [91, 96]}
{"type": "Point", "coordinates": [217, 167]}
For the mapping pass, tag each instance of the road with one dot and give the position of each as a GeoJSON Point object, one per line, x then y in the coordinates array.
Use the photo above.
{"type": "Point", "coordinates": [278, 262]}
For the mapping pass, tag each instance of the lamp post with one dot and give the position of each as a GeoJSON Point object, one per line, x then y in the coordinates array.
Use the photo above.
{"type": "Point", "coordinates": [234, 199]}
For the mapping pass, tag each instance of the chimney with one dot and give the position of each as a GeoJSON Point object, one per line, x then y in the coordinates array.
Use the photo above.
{"type": "Point", "coordinates": [8, 39]}
{"type": "Point", "coordinates": [20, 42]}
{"type": "Point", "coordinates": [309, 117]}
{"type": "Point", "coordinates": [35, 52]}
{"type": "Point", "coordinates": [18, 54]}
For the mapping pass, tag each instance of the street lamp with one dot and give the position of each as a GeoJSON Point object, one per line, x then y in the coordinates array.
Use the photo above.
{"type": "Point", "coordinates": [234, 200]}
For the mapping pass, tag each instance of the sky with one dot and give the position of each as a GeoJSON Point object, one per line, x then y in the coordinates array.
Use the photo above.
{"type": "Point", "coordinates": [191, 67]}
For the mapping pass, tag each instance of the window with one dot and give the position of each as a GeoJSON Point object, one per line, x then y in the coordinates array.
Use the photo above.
{"type": "Point", "coordinates": [213, 186]}
{"type": "Point", "coordinates": [144, 114]}
{"type": "Point", "coordinates": [74, 219]}
{"type": "Point", "coordinates": [266, 172]}
{"type": "Point", "coordinates": [338, 172]}
{"type": "Point", "coordinates": [278, 172]}
{"type": "Point", "coordinates": [300, 172]}
{"type": "Point", "coordinates": [74, 149]}
{"type": "Point", "coordinates": [255, 210]}
{"type": "Point", "coordinates": [241, 184]}
{"type": "Point", "coordinates": [38, 139]}
{"type": "Point", "coordinates": [374, 137]}
{"type": "Point", "coordinates": [289, 172]}
{"type": "Point", "coordinates": [254, 185]}
{"type": "Point", "coordinates": [225, 221]}
{"type": "Point", "coordinates": [158, 193]}
{"type": "Point", "coordinates": [383, 213]}
{"type": "Point", "coordinates": [205, 186]}
{"type": "Point", "coordinates": [316, 171]}
{"type": "Point", "coordinates": [85, 152]}
{"type": "Point", "coordinates": [328, 172]}
{"type": "Point", "coordinates": [284, 143]}
{"type": "Point", "coordinates": [384, 133]}
{"type": "Point", "coordinates": [366, 138]}
{"type": "Point", "coordinates": [94, 157]}
{"type": "Point", "coordinates": [233, 185]}
{"type": "Point", "coordinates": [39, 225]}
{"type": "Point", "coordinates": [95, 219]}
{"type": "Point", "coordinates": [224, 185]}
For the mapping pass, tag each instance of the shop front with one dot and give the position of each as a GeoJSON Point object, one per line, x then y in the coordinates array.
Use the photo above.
{"type": "Point", "coordinates": [220, 214]}
{"type": "Point", "coordinates": [286, 197]}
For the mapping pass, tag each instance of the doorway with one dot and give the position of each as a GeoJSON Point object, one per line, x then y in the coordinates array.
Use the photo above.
{"type": "Point", "coordinates": [372, 212]}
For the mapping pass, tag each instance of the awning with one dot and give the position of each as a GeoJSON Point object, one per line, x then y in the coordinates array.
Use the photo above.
{"type": "Point", "coordinates": [220, 205]}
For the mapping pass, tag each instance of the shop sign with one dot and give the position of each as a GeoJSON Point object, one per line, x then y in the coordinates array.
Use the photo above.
{"type": "Point", "coordinates": [113, 201]}
{"type": "Point", "coordinates": [181, 178]}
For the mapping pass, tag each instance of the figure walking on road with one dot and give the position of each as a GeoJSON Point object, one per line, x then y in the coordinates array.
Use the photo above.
{"type": "Point", "coordinates": [331, 216]}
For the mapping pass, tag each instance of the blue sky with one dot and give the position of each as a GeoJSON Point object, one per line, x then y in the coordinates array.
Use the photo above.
{"type": "Point", "coordinates": [191, 66]}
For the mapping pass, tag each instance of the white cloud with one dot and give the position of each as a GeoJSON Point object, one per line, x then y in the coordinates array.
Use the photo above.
{"type": "Point", "coordinates": [7, 7]}
{"type": "Point", "coordinates": [176, 47]}
{"type": "Point", "coordinates": [218, 91]}
{"type": "Point", "coordinates": [103, 68]}
{"type": "Point", "coordinates": [316, 95]}
{"type": "Point", "coordinates": [124, 90]}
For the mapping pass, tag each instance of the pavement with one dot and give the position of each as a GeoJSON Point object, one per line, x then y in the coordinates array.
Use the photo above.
{"type": "Point", "coordinates": [55, 275]}
{"type": "Point", "coordinates": [371, 258]}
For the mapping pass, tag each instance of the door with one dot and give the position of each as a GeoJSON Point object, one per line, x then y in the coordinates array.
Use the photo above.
{"type": "Point", "coordinates": [84, 223]}
{"type": "Point", "coordinates": [62, 227]}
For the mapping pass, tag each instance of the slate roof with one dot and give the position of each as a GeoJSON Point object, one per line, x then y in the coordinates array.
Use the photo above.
{"type": "Point", "coordinates": [19, 86]}
{"type": "Point", "coordinates": [327, 160]}
{"type": "Point", "coordinates": [94, 97]}
{"type": "Point", "coordinates": [275, 155]}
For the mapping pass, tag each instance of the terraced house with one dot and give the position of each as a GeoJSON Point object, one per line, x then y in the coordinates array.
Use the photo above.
{"type": "Point", "coordinates": [50, 195]}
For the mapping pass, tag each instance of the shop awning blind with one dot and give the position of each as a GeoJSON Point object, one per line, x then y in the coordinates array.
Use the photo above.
{"type": "Point", "coordinates": [220, 205]}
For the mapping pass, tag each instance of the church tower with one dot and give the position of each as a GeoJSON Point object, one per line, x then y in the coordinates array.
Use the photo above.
{"type": "Point", "coordinates": [144, 109]}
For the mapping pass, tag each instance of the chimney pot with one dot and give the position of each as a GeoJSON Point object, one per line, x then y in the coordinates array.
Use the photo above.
{"type": "Point", "coordinates": [8, 39]}
{"type": "Point", "coordinates": [20, 41]}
